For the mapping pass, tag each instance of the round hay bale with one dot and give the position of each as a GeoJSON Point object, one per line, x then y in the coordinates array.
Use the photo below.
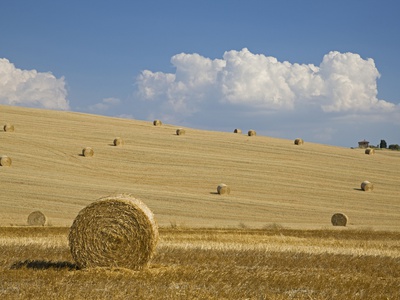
{"type": "Point", "coordinates": [180, 131]}
{"type": "Point", "coordinates": [223, 189]}
{"type": "Point", "coordinates": [237, 130]}
{"type": "Point", "coordinates": [118, 141]}
{"type": "Point", "coordinates": [298, 142]}
{"type": "Point", "coordinates": [339, 219]}
{"type": "Point", "coordinates": [369, 151]}
{"type": "Point", "coordinates": [37, 218]}
{"type": "Point", "coordinates": [157, 123]}
{"type": "Point", "coordinates": [8, 128]}
{"type": "Point", "coordinates": [251, 133]}
{"type": "Point", "coordinates": [87, 152]}
{"type": "Point", "coordinates": [114, 231]}
{"type": "Point", "coordinates": [5, 161]}
{"type": "Point", "coordinates": [367, 186]}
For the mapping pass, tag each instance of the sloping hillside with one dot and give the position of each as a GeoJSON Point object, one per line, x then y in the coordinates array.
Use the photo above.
{"type": "Point", "coordinates": [271, 180]}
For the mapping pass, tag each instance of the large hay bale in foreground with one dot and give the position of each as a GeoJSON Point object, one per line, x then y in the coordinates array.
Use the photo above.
{"type": "Point", "coordinates": [223, 189]}
{"type": "Point", "coordinates": [8, 128]}
{"type": "Point", "coordinates": [5, 161]}
{"type": "Point", "coordinates": [369, 151]}
{"type": "Point", "coordinates": [298, 141]}
{"type": "Point", "coordinates": [118, 141]}
{"type": "Point", "coordinates": [37, 218]}
{"type": "Point", "coordinates": [251, 133]}
{"type": "Point", "coordinates": [87, 152]}
{"type": "Point", "coordinates": [180, 131]}
{"type": "Point", "coordinates": [115, 231]}
{"type": "Point", "coordinates": [339, 219]}
{"type": "Point", "coordinates": [157, 123]}
{"type": "Point", "coordinates": [237, 130]}
{"type": "Point", "coordinates": [367, 186]}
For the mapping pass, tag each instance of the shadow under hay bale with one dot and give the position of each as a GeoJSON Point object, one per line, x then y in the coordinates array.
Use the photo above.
{"type": "Point", "coordinates": [180, 131]}
{"type": "Point", "coordinates": [251, 133]}
{"type": "Point", "coordinates": [157, 123]}
{"type": "Point", "coordinates": [298, 142]}
{"type": "Point", "coordinates": [367, 186]}
{"type": "Point", "coordinates": [339, 219]}
{"type": "Point", "coordinates": [5, 161]}
{"type": "Point", "coordinates": [8, 128]}
{"type": "Point", "coordinates": [43, 265]}
{"type": "Point", "coordinates": [87, 152]}
{"type": "Point", "coordinates": [118, 142]}
{"type": "Point", "coordinates": [115, 231]}
{"type": "Point", "coordinates": [223, 189]}
{"type": "Point", "coordinates": [237, 130]}
{"type": "Point", "coordinates": [369, 151]}
{"type": "Point", "coordinates": [37, 218]}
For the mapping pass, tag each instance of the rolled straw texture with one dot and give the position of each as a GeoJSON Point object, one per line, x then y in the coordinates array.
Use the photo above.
{"type": "Point", "coordinates": [5, 161]}
{"type": "Point", "coordinates": [339, 219]}
{"type": "Point", "coordinates": [88, 152]}
{"type": "Point", "coordinates": [251, 133]}
{"type": "Point", "coordinates": [37, 218]}
{"type": "Point", "coordinates": [298, 142]}
{"type": "Point", "coordinates": [8, 128]}
{"type": "Point", "coordinates": [367, 186]}
{"type": "Point", "coordinates": [118, 141]}
{"type": "Point", "coordinates": [115, 231]}
{"type": "Point", "coordinates": [369, 151]}
{"type": "Point", "coordinates": [223, 189]}
{"type": "Point", "coordinates": [180, 131]}
{"type": "Point", "coordinates": [157, 123]}
{"type": "Point", "coordinates": [237, 130]}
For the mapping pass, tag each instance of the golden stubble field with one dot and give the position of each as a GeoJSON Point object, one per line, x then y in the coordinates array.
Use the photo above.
{"type": "Point", "coordinates": [272, 180]}
{"type": "Point", "coordinates": [271, 238]}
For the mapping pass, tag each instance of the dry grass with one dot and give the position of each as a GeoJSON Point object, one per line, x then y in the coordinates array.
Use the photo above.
{"type": "Point", "coordinates": [210, 264]}
{"type": "Point", "coordinates": [176, 177]}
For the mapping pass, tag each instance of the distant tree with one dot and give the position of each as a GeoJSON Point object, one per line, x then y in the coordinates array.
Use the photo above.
{"type": "Point", "coordinates": [383, 144]}
{"type": "Point", "coordinates": [394, 147]}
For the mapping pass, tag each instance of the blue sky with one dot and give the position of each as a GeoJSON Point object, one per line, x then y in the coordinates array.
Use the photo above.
{"type": "Point", "coordinates": [324, 71]}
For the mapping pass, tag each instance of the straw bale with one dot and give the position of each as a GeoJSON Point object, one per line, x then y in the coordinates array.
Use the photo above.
{"type": "Point", "coordinates": [157, 123]}
{"type": "Point", "coordinates": [8, 128]}
{"type": "Point", "coordinates": [367, 186]}
{"type": "Point", "coordinates": [237, 130]}
{"type": "Point", "coordinates": [118, 141]}
{"type": "Point", "coordinates": [180, 131]}
{"type": "Point", "coordinates": [223, 189]}
{"type": "Point", "coordinates": [87, 152]}
{"type": "Point", "coordinates": [37, 218]}
{"type": "Point", "coordinates": [298, 141]}
{"type": "Point", "coordinates": [251, 133]}
{"type": "Point", "coordinates": [339, 219]}
{"type": "Point", "coordinates": [369, 151]}
{"type": "Point", "coordinates": [5, 161]}
{"type": "Point", "coordinates": [114, 231]}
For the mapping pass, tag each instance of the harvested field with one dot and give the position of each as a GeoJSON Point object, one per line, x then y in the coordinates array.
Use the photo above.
{"type": "Point", "coordinates": [208, 263]}
{"type": "Point", "coordinates": [274, 180]}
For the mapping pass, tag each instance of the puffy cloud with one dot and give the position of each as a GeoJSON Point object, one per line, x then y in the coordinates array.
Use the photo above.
{"type": "Point", "coordinates": [31, 88]}
{"type": "Point", "coordinates": [343, 82]}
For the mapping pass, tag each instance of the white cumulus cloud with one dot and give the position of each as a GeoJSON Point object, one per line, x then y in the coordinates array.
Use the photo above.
{"type": "Point", "coordinates": [343, 82]}
{"type": "Point", "coordinates": [31, 88]}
